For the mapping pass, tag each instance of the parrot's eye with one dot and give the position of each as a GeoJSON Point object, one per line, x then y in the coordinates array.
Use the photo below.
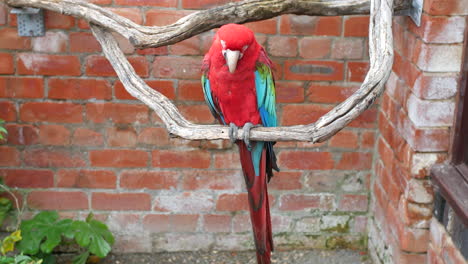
{"type": "Point", "coordinates": [224, 53]}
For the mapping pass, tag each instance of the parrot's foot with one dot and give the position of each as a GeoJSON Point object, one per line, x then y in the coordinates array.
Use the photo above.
{"type": "Point", "coordinates": [233, 132]}
{"type": "Point", "coordinates": [247, 127]}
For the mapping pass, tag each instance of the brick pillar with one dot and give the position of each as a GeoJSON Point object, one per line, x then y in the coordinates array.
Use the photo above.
{"type": "Point", "coordinates": [416, 114]}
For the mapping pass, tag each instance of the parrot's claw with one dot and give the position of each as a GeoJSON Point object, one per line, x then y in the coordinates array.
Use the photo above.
{"type": "Point", "coordinates": [247, 127]}
{"type": "Point", "coordinates": [233, 132]}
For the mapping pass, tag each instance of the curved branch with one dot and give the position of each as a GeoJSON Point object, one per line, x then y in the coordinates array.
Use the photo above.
{"type": "Point", "coordinates": [201, 21]}
{"type": "Point", "coordinates": [381, 59]}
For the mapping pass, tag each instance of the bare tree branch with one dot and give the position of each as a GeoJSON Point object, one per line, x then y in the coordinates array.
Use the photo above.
{"type": "Point", "coordinates": [103, 21]}
{"type": "Point", "coordinates": [201, 21]}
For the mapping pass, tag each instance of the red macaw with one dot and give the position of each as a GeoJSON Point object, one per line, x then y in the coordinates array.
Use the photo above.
{"type": "Point", "coordinates": [240, 91]}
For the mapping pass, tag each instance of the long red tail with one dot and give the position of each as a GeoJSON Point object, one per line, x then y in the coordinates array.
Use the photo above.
{"type": "Point", "coordinates": [258, 201]}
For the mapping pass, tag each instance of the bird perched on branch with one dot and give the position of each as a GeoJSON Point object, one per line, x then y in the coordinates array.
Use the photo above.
{"type": "Point", "coordinates": [240, 91]}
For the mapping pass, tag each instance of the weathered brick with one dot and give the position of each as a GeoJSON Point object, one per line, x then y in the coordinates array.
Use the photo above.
{"type": "Point", "coordinates": [177, 67]}
{"type": "Point", "coordinates": [186, 202]}
{"type": "Point", "coordinates": [51, 112]}
{"type": "Point", "coordinates": [121, 201]}
{"type": "Point", "coordinates": [181, 159]}
{"type": "Point", "coordinates": [344, 139]}
{"type": "Point", "coordinates": [212, 180]}
{"type": "Point", "coordinates": [51, 42]}
{"type": "Point", "coordinates": [435, 86]}
{"type": "Point", "coordinates": [121, 158]}
{"type": "Point", "coordinates": [134, 14]}
{"type": "Point", "coordinates": [18, 87]}
{"type": "Point", "coordinates": [267, 26]}
{"type": "Point", "coordinates": [289, 92]}
{"type": "Point", "coordinates": [439, 58]}
{"type": "Point", "coordinates": [306, 160]}
{"type": "Point", "coordinates": [10, 40]}
{"type": "Point", "coordinates": [87, 137]}
{"type": "Point", "coordinates": [356, 26]}
{"type": "Point", "coordinates": [232, 202]}
{"type": "Point", "coordinates": [281, 46]}
{"type": "Point", "coordinates": [162, 17]}
{"type": "Point", "coordinates": [83, 42]}
{"type": "Point", "coordinates": [430, 113]}
{"type": "Point", "coordinates": [319, 93]}
{"type": "Point", "coordinates": [313, 70]}
{"type": "Point", "coordinates": [121, 137]}
{"type": "Point", "coordinates": [347, 48]}
{"type": "Point", "coordinates": [6, 63]}
{"type": "Point", "coordinates": [190, 91]}
{"type": "Point", "coordinates": [56, 200]}
{"type": "Point", "coordinates": [160, 3]}
{"type": "Point", "coordinates": [22, 134]}
{"type": "Point", "coordinates": [353, 202]}
{"type": "Point", "coordinates": [315, 48]}
{"type": "Point", "coordinates": [79, 89]}
{"type": "Point", "coordinates": [53, 158]}
{"type": "Point", "coordinates": [7, 111]}
{"type": "Point", "coordinates": [217, 223]}
{"type": "Point", "coordinates": [44, 64]}
{"type": "Point", "coordinates": [99, 179]}
{"type": "Point", "coordinates": [197, 113]}
{"type": "Point", "coordinates": [117, 113]}
{"type": "Point", "coordinates": [286, 181]}
{"type": "Point", "coordinates": [10, 156]}
{"type": "Point", "coordinates": [54, 135]}
{"type": "Point", "coordinates": [308, 25]}
{"type": "Point", "coordinates": [157, 136]}
{"type": "Point", "coordinates": [164, 87]}
{"type": "Point", "coordinates": [301, 114]}
{"type": "Point", "coordinates": [99, 66]}
{"type": "Point", "coordinates": [355, 161]}
{"type": "Point", "coordinates": [56, 20]}
{"type": "Point", "coordinates": [293, 202]}
{"type": "Point", "coordinates": [154, 180]}
{"type": "Point", "coordinates": [357, 71]}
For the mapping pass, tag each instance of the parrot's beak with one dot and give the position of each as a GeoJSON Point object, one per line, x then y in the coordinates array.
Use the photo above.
{"type": "Point", "coordinates": [232, 56]}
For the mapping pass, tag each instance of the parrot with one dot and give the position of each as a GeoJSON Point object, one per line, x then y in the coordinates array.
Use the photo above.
{"type": "Point", "coordinates": [239, 89]}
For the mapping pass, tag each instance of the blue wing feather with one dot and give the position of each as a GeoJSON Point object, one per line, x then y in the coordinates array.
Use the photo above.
{"type": "Point", "coordinates": [209, 99]}
{"type": "Point", "coordinates": [266, 95]}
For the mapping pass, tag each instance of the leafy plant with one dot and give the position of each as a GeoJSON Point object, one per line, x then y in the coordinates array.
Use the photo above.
{"type": "Point", "coordinates": [19, 259]}
{"type": "Point", "coordinates": [3, 131]}
{"type": "Point", "coordinates": [46, 231]}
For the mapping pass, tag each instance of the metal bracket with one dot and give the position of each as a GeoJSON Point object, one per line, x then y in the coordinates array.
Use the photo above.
{"type": "Point", "coordinates": [415, 11]}
{"type": "Point", "coordinates": [30, 21]}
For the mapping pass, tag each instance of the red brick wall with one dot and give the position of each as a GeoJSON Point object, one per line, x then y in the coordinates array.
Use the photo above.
{"type": "Point", "coordinates": [79, 142]}
{"type": "Point", "coordinates": [416, 114]}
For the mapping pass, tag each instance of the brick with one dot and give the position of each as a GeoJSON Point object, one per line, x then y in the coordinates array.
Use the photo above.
{"type": "Point", "coordinates": [156, 223]}
{"type": "Point", "coordinates": [10, 40]}
{"type": "Point", "coordinates": [44, 64]}
{"type": "Point", "coordinates": [162, 86]}
{"type": "Point", "coordinates": [197, 113]}
{"type": "Point", "coordinates": [99, 66]}
{"type": "Point", "coordinates": [156, 136]}
{"type": "Point", "coordinates": [440, 29]}
{"type": "Point", "coordinates": [117, 113]}
{"type": "Point", "coordinates": [286, 181]}
{"type": "Point", "coordinates": [212, 180]}
{"type": "Point", "coordinates": [134, 14]}
{"type": "Point", "coordinates": [344, 139]}
{"type": "Point", "coordinates": [83, 42]}
{"type": "Point", "coordinates": [22, 134]}
{"type": "Point", "coordinates": [202, 4]}
{"type": "Point", "coordinates": [87, 137]}
{"type": "Point", "coordinates": [267, 26]}
{"type": "Point", "coordinates": [79, 89]}
{"type": "Point", "coordinates": [121, 158]}
{"type": "Point", "coordinates": [440, 58]}
{"type": "Point", "coordinates": [281, 46]}
{"type": "Point", "coordinates": [121, 201]}
{"type": "Point", "coordinates": [318, 93]}
{"type": "Point", "coordinates": [413, 239]}
{"type": "Point", "coordinates": [301, 114]}
{"type": "Point", "coordinates": [355, 161]}
{"type": "Point", "coordinates": [313, 70]}
{"type": "Point", "coordinates": [17, 87]}
{"type": "Point", "coordinates": [367, 139]}
{"type": "Point", "coordinates": [323, 181]}
{"type": "Point", "coordinates": [347, 48]}
{"type": "Point", "coordinates": [161, 17]}
{"type": "Point", "coordinates": [154, 180]}
{"type": "Point", "coordinates": [99, 179]}
{"type": "Point", "coordinates": [445, 7]}
{"type": "Point", "coordinates": [232, 202]}
{"type": "Point", "coordinates": [315, 48]}
{"type": "Point", "coordinates": [56, 200]}
{"type": "Point", "coordinates": [357, 71]}
{"type": "Point", "coordinates": [121, 137]}
{"type": "Point", "coordinates": [353, 203]}
{"type": "Point", "coordinates": [356, 26]}
{"type": "Point", "coordinates": [153, 51]}
{"type": "Point", "coordinates": [181, 159]}
{"type": "Point", "coordinates": [241, 223]}
{"type": "Point", "coordinates": [7, 111]}
{"type": "Point", "coordinates": [160, 3]}
{"type": "Point", "coordinates": [177, 67]}
{"type": "Point", "coordinates": [227, 160]}
{"type": "Point", "coordinates": [6, 63]}
{"type": "Point", "coordinates": [52, 158]}
{"type": "Point", "coordinates": [289, 92]}
{"type": "Point", "coordinates": [51, 112]}
{"type": "Point", "coordinates": [217, 223]}
{"type": "Point", "coordinates": [57, 135]}
{"type": "Point", "coordinates": [419, 191]}
{"type": "Point", "coordinates": [10, 156]}
{"type": "Point", "coordinates": [3, 14]}
{"type": "Point", "coordinates": [56, 20]}
{"type": "Point", "coordinates": [430, 113]}
{"type": "Point", "coordinates": [52, 42]}
{"type": "Point", "coordinates": [293, 202]}
{"type": "Point", "coordinates": [190, 91]}
{"type": "Point", "coordinates": [435, 86]}
{"type": "Point", "coordinates": [306, 160]}
{"type": "Point", "coordinates": [186, 202]}
{"type": "Point", "coordinates": [309, 25]}
{"type": "Point", "coordinates": [189, 46]}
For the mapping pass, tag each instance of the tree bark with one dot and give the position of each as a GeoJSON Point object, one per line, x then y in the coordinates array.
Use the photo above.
{"type": "Point", "coordinates": [104, 21]}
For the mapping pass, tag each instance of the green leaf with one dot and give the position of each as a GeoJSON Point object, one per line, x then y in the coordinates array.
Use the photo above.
{"type": "Point", "coordinates": [8, 243]}
{"type": "Point", "coordinates": [43, 233]}
{"type": "Point", "coordinates": [93, 235]}
{"type": "Point", "coordinates": [5, 208]}
{"type": "Point", "coordinates": [81, 258]}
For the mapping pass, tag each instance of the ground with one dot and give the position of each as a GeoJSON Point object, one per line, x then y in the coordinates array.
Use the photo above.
{"type": "Point", "coordinates": [247, 257]}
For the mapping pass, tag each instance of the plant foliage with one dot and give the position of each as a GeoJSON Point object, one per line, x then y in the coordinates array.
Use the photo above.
{"type": "Point", "coordinates": [3, 131]}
